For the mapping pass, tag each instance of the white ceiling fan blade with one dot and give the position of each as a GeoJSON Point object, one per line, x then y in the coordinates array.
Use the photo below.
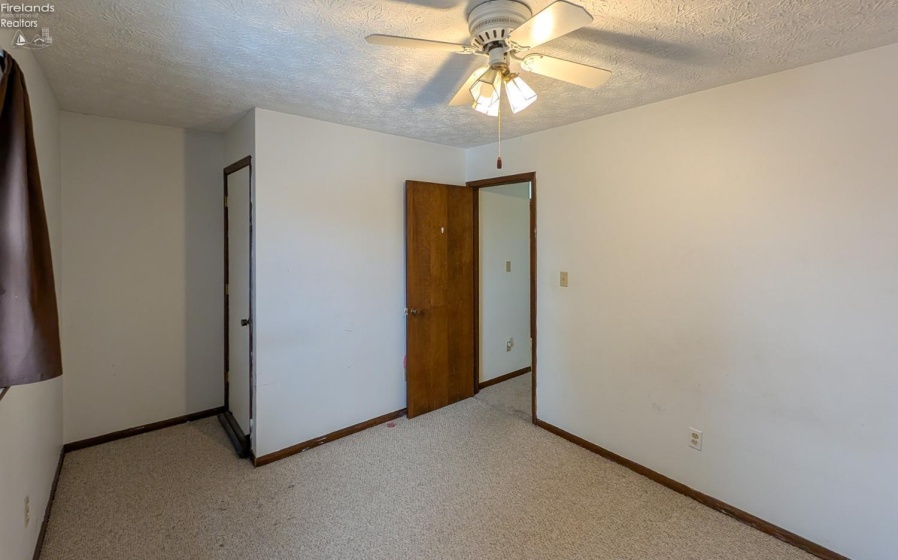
{"type": "Point", "coordinates": [565, 70]}
{"type": "Point", "coordinates": [408, 42]}
{"type": "Point", "coordinates": [559, 18]}
{"type": "Point", "coordinates": [464, 97]}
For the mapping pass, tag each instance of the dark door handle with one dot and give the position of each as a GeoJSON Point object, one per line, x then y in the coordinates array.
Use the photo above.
{"type": "Point", "coordinates": [244, 322]}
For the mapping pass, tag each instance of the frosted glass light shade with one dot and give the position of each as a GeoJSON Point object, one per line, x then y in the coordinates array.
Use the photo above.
{"type": "Point", "coordinates": [487, 91]}
{"type": "Point", "coordinates": [520, 95]}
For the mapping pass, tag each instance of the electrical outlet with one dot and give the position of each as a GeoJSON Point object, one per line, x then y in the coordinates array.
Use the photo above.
{"type": "Point", "coordinates": [507, 266]}
{"type": "Point", "coordinates": [564, 279]}
{"type": "Point", "coordinates": [509, 345]}
{"type": "Point", "coordinates": [695, 439]}
{"type": "Point", "coordinates": [27, 511]}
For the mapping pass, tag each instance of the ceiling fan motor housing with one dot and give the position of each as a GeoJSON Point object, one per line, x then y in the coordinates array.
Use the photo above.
{"type": "Point", "coordinates": [491, 22]}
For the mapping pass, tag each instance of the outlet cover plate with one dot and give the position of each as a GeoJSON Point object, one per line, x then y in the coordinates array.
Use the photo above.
{"type": "Point", "coordinates": [695, 439]}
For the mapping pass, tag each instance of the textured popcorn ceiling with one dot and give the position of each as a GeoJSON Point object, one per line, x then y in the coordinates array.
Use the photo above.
{"type": "Point", "coordinates": [202, 63]}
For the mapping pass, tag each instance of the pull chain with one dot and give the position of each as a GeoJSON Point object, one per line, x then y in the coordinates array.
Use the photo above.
{"type": "Point", "coordinates": [499, 114]}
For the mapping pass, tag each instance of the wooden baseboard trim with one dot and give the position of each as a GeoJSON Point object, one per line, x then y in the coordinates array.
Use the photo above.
{"type": "Point", "coordinates": [39, 545]}
{"type": "Point", "coordinates": [99, 440]}
{"type": "Point", "coordinates": [713, 503]}
{"type": "Point", "coordinates": [300, 447]}
{"type": "Point", "coordinates": [501, 378]}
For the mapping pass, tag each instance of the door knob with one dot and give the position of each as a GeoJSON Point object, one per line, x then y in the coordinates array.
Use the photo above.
{"type": "Point", "coordinates": [244, 322]}
{"type": "Point", "coordinates": [413, 311]}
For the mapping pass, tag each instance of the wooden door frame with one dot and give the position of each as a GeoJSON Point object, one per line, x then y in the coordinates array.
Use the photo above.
{"type": "Point", "coordinates": [495, 182]}
{"type": "Point", "coordinates": [241, 442]}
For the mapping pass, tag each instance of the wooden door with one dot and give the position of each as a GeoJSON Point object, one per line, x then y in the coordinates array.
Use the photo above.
{"type": "Point", "coordinates": [439, 295]}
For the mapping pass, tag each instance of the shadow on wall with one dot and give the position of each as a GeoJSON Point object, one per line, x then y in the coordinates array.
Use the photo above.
{"type": "Point", "coordinates": [204, 270]}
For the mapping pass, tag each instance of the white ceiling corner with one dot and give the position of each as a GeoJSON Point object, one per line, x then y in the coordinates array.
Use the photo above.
{"type": "Point", "coordinates": [198, 64]}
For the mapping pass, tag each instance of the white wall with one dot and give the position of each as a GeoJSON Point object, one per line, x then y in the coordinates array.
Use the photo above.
{"type": "Point", "coordinates": [330, 272]}
{"type": "Point", "coordinates": [31, 415]}
{"type": "Point", "coordinates": [240, 139]}
{"type": "Point", "coordinates": [733, 259]}
{"type": "Point", "coordinates": [142, 273]}
{"type": "Point", "coordinates": [504, 296]}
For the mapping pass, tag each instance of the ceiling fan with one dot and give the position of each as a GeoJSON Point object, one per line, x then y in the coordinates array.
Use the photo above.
{"type": "Point", "coordinates": [505, 31]}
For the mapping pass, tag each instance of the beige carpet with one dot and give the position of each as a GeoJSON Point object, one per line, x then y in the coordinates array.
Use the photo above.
{"type": "Point", "coordinates": [513, 396]}
{"type": "Point", "coordinates": [472, 481]}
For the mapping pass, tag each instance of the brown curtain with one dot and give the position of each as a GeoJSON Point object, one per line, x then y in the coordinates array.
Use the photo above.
{"type": "Point", "coordinates": [29, 324]}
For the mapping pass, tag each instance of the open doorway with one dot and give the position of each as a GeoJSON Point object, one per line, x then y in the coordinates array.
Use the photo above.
{"type": "Point", "coordinates": [505, 291]}
{"type": "Point", "coordinates": [443, 303]}
{"type": "Point", "coordinates": [237, 418]}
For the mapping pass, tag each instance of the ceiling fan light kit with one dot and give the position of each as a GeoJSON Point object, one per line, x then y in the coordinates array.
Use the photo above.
{"type": "Point", "coordinates": [487, 92]}
{"type": "Point", "coordinates": [520, 95]}
{"type": "Point", "coordinates": [505, 31]}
